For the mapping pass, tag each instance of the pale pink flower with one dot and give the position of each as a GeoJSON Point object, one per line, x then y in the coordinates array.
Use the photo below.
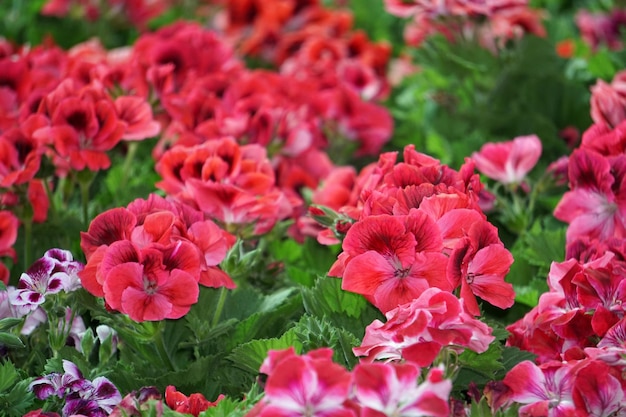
{"type": "Point", "coordinates": [508, 162]}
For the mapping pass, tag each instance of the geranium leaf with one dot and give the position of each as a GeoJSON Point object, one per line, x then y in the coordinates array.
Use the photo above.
{"type": "Point", "coordinates": [344, 309]}
{"type": "Point", "coordinates": [11, 341]}
{"type": "Point", "coordinates": [511, 356]}
{"type": "Point", "coordinates": [251, 355]}
{"type": "Point", "coordinates": [314, 332]}
{"type": "Point", "coordinates": [479, 368]}
{"type": "Point", "coordinates": [227, 407]}
{"type": "Point", "coordinates": [9, 322]}
{"type": "Point", "coordinates": [8, 375]}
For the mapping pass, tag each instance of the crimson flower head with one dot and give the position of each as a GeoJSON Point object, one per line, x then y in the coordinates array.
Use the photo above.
{"type": "Point", "coordinates": [508, 162]}
{"type": "Point", "coordinates": [194, 404]}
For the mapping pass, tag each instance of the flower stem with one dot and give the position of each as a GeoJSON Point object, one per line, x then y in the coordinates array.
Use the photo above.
{"type": "Point", "coordinates": [128, 161]}
{"type": "Point", "coordinates": [220, 306]}
{"type": "Point", "coordinates": [160, 346]}
{"type": "Point", "coordinates": [28, 241]}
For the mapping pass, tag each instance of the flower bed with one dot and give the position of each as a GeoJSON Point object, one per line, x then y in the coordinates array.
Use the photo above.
{"type": "Point", "coordinates": [306, 208]}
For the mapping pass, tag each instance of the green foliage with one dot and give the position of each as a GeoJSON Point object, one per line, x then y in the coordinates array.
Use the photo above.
{"type": "Point", "coordinates": [343, 309]}
{"type": "Point", "coordinates": [249, 356]}
{"type": "Point", "coordinates": [15, 397]}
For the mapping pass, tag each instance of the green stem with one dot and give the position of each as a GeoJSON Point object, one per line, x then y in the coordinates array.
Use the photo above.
{"type": "Point", "coordinates": [160, 346]}
{"type": "Point", "coordinates": [128, 161]}
{"type": "Point", "coordinates": [28, 241]}
{"type": "Point", "coordinates": [220, 306]}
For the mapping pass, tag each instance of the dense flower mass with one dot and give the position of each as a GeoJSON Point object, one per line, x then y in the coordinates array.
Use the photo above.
{"type": "Point", "coordinates": [280, 208]}
{"type": "Point", "coordinates": [417, 225]}
{"type": "Point", "coordinates": [312, 384]}
{"type": "Point", "coordinates": [147, 260]}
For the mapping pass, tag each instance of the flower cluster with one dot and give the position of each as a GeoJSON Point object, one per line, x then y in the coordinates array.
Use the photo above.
{"type": "Point", "coordinates": [492, 23]}
{"type": "Point", "coordinates": [601, 29]}
{"type": "Point", "coordinates": [312, 384]}
{"type": "Point", "coordinates": [138, 13]}
{"type": "Point", "coordinates": [310, 42]}
{"type": "Point", "coordinates": [231, 184]}
{"type": "Point", "coordinates": [55, 272]}
{"type": "Point", "coordinates": [417, 225]}
{"type": "Point", "coordinates": [147, 259]}
{"type": "Point", "coordinates": [577, 329]}
{"type": "Point", "coordinates": [95, 398]}
{"type": "Point", "coordinates": [418, 331]}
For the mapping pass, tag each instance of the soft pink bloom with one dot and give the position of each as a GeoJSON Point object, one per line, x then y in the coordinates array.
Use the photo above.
{"type": "Point", "coordinates": [384, 389]}
{"type": "Point", "coordinates": [136, 114]}
{"type": "Point", "coordinates": [608, 101]}
{"type": "Point", "coordinates": [596, 205]}
{"type": "Point", "coordinates": [508, 162]}
{"type": "Point", "coordinates": [545, 390]}
{"type": "Point", "coordinates": [307, 385]}
{"type": "Point", "coordinates": [419, 330]}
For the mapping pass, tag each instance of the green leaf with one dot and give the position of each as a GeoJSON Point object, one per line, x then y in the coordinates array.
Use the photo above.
{"type": "Point", "coordinates": [227, 407]}
{"type": "Point", "coordinates": [11, 341]}
{"type": "Point", "coordinates": [9, 322]}
{"type": "Point", "coordinates": [479, 368]}
{"type": "Point", "coordinates": [316, 332]}
{"type": "Point", "coordinates": [344, 309]}
{"type": "Point", "coordinates": [251, 355]}
{"type": "Point", "coordinates": [18, 401]}
{"type": "Point", "coordinates": [8, 375]}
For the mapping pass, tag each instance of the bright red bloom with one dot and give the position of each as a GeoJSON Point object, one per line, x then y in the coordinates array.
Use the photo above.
{"type": "Point", "coordinates": [194, 404]}
{"type": "Point", "coordinates": [83, 126]}
{"type": "Point", "coordinates": [508, 162]}
{"type": "Point", "coordinates": [478, 263]}
{"type": "Point", "coordinates": [392, 259]}
{"type": "Point", "coordinates": [150, 283]}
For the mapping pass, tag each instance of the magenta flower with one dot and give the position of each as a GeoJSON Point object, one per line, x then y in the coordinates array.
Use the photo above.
{"type": "Point", "coordinates": [95, 398]}
{"type": "Point", "coordinates": [508, 162]}
{"type": "Point", "coordinates": [35, 284]}
{"type": "Point", "coordinates": [596, 205]}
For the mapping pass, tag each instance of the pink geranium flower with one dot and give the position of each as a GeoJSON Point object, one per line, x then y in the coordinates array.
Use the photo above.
{"type": "Point", "coordinates": [545, 390]}
{"type": "Point", "coordinates": [508, 162]}
{"type": "Point", "coordinates": [307, 385]}
{"type": "Point", "coordinates": [596, 205]}
{"type": "Point", "coordinates": [419, 330]}
{"type": "Point", "coordinates": [393, 390]}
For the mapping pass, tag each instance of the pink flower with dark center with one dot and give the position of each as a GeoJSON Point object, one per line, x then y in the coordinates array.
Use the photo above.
{"type": "Point", "coordinates": [596, 205]}
{"type": "Point", "coordinates": [393, 259]}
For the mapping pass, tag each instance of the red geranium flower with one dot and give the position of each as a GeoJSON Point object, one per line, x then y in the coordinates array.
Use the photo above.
{"type": "Point", "coordinates": [194, 404]}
